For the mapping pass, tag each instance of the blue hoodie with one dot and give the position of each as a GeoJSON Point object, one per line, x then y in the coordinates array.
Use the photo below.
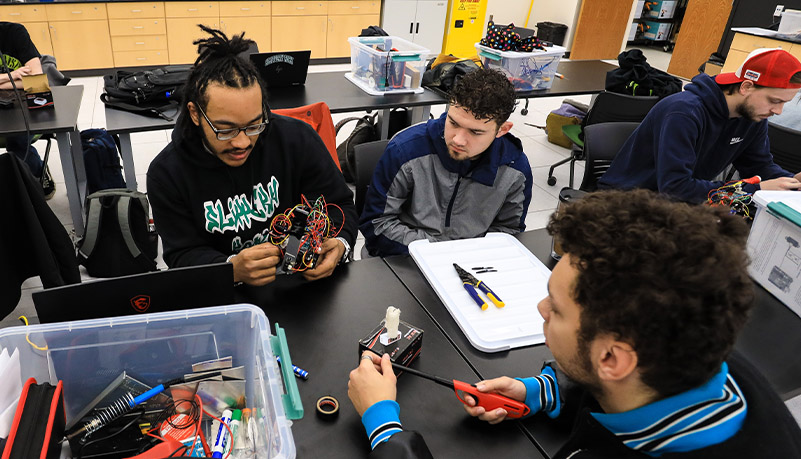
{"type": "Point", "coordinates": [688, 139]}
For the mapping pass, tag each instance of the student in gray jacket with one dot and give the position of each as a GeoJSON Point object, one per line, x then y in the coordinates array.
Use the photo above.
{"type": "Point", "coordinates": [456, 177]}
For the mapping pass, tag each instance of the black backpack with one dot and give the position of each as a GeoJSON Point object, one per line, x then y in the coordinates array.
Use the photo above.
{"type": "Point", "coordinates": [149, 92]}
{"type": "Point", "coordinates": [119, 239]}
{"type": "Point", "coordinates": [365, 131]}
{"type": "Point", "coordinates": [101, 160]}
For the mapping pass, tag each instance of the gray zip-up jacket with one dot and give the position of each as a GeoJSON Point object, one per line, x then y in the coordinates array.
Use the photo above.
{"type": "Point", "coordinates": [419, 192]}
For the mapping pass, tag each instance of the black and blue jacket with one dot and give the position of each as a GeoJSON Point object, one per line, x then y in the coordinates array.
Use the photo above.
{"type": "Point", "coordinates": [419, 192]}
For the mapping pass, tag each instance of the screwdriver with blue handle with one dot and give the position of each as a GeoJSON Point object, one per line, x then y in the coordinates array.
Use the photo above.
{"type": "Point", "coordinates": [472, 285]}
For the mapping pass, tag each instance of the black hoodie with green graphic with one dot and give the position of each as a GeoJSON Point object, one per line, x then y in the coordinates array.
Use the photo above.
{"type": "Point", "coordinates": [206, 211]}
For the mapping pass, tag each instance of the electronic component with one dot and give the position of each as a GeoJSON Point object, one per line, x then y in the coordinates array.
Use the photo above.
{"type": "Point", "coordinates": [300, 232]}
{"type": "Point", "coordinates": [731, 195]}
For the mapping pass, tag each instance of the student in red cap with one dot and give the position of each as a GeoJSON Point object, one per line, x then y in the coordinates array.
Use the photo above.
{"type": "Point", "coordinates": [688, 139]}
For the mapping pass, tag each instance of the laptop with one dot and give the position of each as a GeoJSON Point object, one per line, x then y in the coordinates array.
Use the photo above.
{"type": "Point", "coordinates": [282, 69]}
{"type": "Point", "coordinates": [158, 291]}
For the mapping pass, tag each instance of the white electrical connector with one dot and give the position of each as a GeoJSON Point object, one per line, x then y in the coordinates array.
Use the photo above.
{"type": "Point", "coordinates": [391, 322]}
{"type": "Point", "coordinates": [779, 11]}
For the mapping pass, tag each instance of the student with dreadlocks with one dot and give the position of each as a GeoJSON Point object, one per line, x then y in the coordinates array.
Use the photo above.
{"type": "Point", "coordinates": [232, 165]}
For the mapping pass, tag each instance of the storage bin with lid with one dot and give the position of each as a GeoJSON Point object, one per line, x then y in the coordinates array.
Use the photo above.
{"type": "Point", "coordinates": [383, 65]}
{"type": "Point", "coordinates": [527, 71]}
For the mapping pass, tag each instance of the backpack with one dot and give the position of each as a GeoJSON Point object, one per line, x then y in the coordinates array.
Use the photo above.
{"type": "Point", "coordinates": [119, 239]}
{"type": "Point", "coordinates": [443, 72]}
{"type": "Point", "coordinates": [149, 92]}
{"type": "Point", "coordinates": [368, 130]}
{"type": "Point", "coordinates": [101, 160]}
{"type": "Point", "coordinates": [365, 131]}
{"type": "Point", "coordinates": [568, 113]}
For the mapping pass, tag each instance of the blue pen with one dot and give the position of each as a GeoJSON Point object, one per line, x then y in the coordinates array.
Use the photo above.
{"type": "Point", "coordinates": [222, 434]}
{"type": "Point", "coordinates": [299, 372]}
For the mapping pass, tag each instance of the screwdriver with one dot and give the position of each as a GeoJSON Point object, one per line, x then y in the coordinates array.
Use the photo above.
{"type": "Point", "coordinates": [514, 409]}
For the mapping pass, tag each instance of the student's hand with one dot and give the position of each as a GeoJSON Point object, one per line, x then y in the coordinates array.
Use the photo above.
{"type": "Point", "coordinates": [256, 265]}
{"type": "Point", "coordinates": [330, 254]}
{"type": "Point", "coordinates": [18, 74]}
{"type": "Point", "coordinates": [504, 385]}
{"type": "Point", "coordinates": [782, 183]}
{"type": "Point", "coordinates": [371, 382]}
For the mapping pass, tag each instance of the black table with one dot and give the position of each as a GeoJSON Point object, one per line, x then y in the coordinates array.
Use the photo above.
{"type": "Point", "coordinates": [339, 94]}
{"type": "Point", "coordinates": [62, 120]}
{"type": "Point", "coordinates": [324, 321]}
{"type": "Point", "coordinates": [771, 339]}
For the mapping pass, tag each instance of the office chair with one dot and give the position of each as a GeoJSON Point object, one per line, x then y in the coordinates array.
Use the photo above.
{"type": "Point", "coordinates": [602, 142]}
{"type": "Point", "coordinates": [366, 157]}
{"type": "Point", "coordinates": [784, 143]}
{"type": "Point", "coordinates": [318, 116]}
{"type": "Point", "coordinates": [608, 107]}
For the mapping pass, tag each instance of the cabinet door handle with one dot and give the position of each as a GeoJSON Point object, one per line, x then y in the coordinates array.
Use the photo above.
{"type": "Point", "coordinates": [77, 12]}
{"type": "Point", "coordinates": [411, 27]}
{"type": "Point", "coordinates": [331, 28]}
{"type": "Point", "coordinates": [191, 9]}
{"type": "Point", "coordinates": [138, 27]}
{"type": "Point", "coordinates": [55, 35]}
{"type": "Point", "coordinates": [14, 14]}
{"type": "Point", "coordinates": [244, 9]}
{"type": "Point", "coordinates": [300, 8]}
{"type": "Point", "coordinates": [355, 7]}
{"type": "Point", "coordinates": [136, 11]}
{"type": "Point", "coordinates": [141, 58]}
{"type": "Point", "coordinates": [139, 43]}
{"type": "Point", "coordinates": [417, 30]}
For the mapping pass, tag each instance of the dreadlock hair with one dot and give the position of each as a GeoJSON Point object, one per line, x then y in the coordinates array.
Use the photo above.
{"type": "Point", "coordinates": [219, 62]}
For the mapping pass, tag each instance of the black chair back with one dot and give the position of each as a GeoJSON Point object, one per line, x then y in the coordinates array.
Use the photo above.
{"type": "Point", "coordinates": [366, 156]}
{"type": "Point", "coordinates": [602, 142]}
{"type": "Point", "coordinates": [611, 107]}
{"type": "Point", "coordinates": [784, 144]}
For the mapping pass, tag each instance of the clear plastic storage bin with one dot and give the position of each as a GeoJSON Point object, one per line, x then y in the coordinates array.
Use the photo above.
{"type": "Point", "coordinates": [383, 65]}
{"type": "Point", "coordinates": [88, 355]}
{"type": "Point", "coordinates": [527, 71]}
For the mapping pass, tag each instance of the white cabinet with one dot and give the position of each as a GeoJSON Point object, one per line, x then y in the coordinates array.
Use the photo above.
{"type": "Point", "coordinates": [419, 21]}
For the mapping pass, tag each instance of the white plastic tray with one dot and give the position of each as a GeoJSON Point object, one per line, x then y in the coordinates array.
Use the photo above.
{"type": "Point", "coordinates": [521, 281]}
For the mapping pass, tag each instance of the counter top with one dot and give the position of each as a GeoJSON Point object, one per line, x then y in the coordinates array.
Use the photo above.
{"type": "Point", "coordinates": [759, 32]}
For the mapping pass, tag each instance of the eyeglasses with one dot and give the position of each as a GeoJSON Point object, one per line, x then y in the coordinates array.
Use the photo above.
{"type": "Point", "coordinates": [228, 134]}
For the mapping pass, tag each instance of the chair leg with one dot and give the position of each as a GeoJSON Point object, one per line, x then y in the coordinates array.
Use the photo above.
{"type": "Point", "coordinates": [44, 161]}
{"type": "Point", "coordinates": [524, 110]}
{"type": "Point", "coordinates": [551, 178]}
{"type": "Point", "coordinates": [572, 168]}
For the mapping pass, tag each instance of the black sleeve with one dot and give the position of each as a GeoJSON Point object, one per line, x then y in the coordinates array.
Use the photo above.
{"type": "Point", "coordinates": [15, 42]}
{"type": "Point", "coordinates": [403, 445]}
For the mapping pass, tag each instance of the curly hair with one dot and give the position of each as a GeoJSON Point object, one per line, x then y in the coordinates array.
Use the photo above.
{"type": "Point", "coordinates": [218, 62]}
{"type": "Point", "coordinates": [668, 278]}
{"type": "Point", "coordinates": [485, 93]}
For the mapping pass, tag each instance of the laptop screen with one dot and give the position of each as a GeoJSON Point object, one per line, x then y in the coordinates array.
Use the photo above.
{"type": "Point", "coordinates": [282, 68]}
{"type": "Point", "coordinates": [159, 291]}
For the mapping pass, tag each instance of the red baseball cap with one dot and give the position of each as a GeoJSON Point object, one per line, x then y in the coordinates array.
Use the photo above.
{"type": "Point", "coordinates": [770, 67]}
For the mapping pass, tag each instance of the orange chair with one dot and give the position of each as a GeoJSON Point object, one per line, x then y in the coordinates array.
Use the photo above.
{"type": "Point", "coordinates": [319, 117]}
